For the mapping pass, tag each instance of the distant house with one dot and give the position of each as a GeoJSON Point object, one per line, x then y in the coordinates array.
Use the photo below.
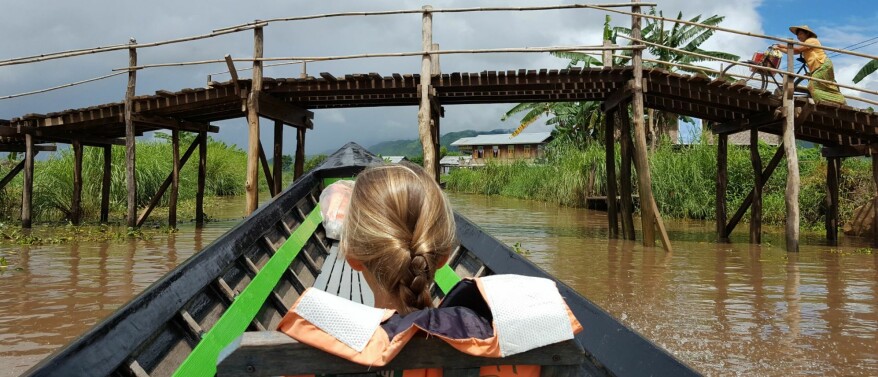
{"type": "Point", "coordinates": [449, 163]}
{"type": "Point", "coordinates": [394, 159]}
{"type": "Point", "coordinates": [504, 147]}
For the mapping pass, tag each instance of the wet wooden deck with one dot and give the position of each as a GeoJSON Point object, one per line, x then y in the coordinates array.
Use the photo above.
{"type": "Point", "coordinates": [337, 277]}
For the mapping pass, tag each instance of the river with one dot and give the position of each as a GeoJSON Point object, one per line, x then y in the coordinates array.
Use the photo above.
{"type": "Point", "coordinates": [725, 309]}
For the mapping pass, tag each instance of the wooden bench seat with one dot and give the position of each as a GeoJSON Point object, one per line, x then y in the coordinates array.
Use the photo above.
{"type": "Point", "coordinates": [337, 277]}
{"type": "Point", "coordinates": [272, 353]}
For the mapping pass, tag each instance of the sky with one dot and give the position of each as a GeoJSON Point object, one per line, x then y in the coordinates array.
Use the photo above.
{"type": "Point", "coordinates": [40, 26]}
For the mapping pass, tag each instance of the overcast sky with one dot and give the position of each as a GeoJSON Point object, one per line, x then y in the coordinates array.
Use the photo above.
{"type": "Point", "coordinates": [39, 26]}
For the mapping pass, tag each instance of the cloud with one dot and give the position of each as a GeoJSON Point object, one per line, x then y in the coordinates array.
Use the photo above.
{"type": "Point", "coordinates": [86, 23]}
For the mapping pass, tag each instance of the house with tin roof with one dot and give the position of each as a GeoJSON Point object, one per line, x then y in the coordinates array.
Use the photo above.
{"type": "Point", "coordinates": [504, 147]}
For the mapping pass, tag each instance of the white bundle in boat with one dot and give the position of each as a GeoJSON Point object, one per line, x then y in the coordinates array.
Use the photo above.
{"type": "Point", "coordinates": [334, 202]}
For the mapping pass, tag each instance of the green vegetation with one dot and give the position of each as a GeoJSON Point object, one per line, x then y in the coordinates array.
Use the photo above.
{"type": "Point", "coordinates": [412, 147]}
{"type": "Point", "coordinates": [684, 181]}
{"type": "Point", "coordinates": [53, 179]}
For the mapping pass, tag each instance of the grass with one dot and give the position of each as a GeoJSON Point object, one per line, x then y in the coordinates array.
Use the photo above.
{"type": "Point", "coordinates": [684, 181]}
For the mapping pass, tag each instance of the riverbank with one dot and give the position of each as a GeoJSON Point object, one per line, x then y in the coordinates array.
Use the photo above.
{"type": "Point", "coordinates": [684, 181]}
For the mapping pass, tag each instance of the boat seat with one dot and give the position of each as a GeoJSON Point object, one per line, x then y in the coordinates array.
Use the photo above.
{"type": "Point", "coordinates": [272, 353]}
{"type": "Point", "coordinates": [338, 278]}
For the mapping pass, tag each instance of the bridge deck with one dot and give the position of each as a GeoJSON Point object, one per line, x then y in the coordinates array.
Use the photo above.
{"type": "Point", "coordinates": [734, 107]}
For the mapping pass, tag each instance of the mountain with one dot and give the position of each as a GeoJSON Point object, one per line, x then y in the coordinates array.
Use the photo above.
{"type": "Point", "coordinates": [412, 147]}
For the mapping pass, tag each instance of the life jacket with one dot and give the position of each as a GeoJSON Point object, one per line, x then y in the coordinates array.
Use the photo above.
{"type": "Point", "coordinates": [494, 316]}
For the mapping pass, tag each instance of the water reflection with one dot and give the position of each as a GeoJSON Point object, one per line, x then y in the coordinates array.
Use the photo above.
{"type": "Point", "coordinates": [726, 309]}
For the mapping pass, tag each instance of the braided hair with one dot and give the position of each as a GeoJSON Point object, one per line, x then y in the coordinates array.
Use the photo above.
{"type": "Point", "coordinates": [400, 226]}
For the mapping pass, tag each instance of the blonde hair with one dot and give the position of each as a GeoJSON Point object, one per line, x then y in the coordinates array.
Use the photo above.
{"type": "Point", "coordinates": [400, 226]}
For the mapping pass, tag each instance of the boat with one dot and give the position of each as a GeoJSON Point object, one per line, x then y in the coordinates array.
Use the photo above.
{"type": "Point", "coordinates": [248, 278]}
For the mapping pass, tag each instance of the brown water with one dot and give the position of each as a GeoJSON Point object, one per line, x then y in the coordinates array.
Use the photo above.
{"type": "Point", "coordinates": [726, 309]}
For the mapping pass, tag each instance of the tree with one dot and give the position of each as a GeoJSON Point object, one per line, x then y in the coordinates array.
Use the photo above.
{"type": "Point", "coordinates": [682, 37]}
{"type": "Point", "coordinates": [867, 70]}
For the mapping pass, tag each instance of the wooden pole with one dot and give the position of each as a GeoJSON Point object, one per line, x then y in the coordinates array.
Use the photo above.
{"type": "Point", "coordinates": [76, 203]}
{"type": "Point", "coordinates": [27, 191]}
{"type": "Point", "coordinates": [299, 167]}
{"type": "Point", "coordinates": [626, 201]}
{"type": "Point", "coordinates": [745, 205]}
{"type": "Point", "coordinates": [756, 209]}
{"type": "Point", "coordinates": [789, 140]}
{"type": "Point", "coordinates": [278, 158]}
{"type": "Point", "coordinates": [202, 175]}
{"type": "Point", "coordinates": [610, 145]}
{"type": "Point", "coordinates": [722, 176]}
{"type": "Point", "coordinates": [874, 200]}
{"type": "Point", "coordinates": [266, 171]}
{"type": "Point", "coordinates": [175, 179]}
{"type": "Point", "coordinates": [11, 175]}
{"type": "Point", "coordinates": [252, 182]}
{"type": "Point", "coordinates": [833, 175]}
{"type": "Point", "coordinates": [130, 134]}
{"type": "Point", "coordinates": [105, 184]}
{"type": "Point", "coordinates": [424, 112]}
{"type": "Point", "coordinates": [164, 186]}
{"type": "Point", "coordinates": [434, 60]}
{"type": "Point", "coordinates": [437, 146]}
{"type": "Point", "coordinates": [647, 215]}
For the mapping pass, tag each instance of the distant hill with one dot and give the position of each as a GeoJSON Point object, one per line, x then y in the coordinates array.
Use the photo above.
{"type": "Point", "coordinates": [412, 147]}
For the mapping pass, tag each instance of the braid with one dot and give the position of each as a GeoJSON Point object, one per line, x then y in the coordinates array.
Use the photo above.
{"type": "Point", "coordinates": [414, 282]}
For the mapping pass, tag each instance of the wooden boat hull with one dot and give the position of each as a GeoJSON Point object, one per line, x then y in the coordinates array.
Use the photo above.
{"type": "Point", "coordinates": [179, 323]}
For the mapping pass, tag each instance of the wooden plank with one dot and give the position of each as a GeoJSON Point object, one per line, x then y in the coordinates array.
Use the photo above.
{"type": "Point", "coordinates": [175, 179]}
{"type": "Point", "coordinates": [356, 296]}
{"type": "Point", "coordinates": [322, 280]}
{"type": "Point", "coordinates": [345, 281]}
{"type": "Point", "coordinates": [173, 124]}
{"type": "Point", "coordinates": [202, 178]}
{"type": "Point", "coordinates": [11, 174]}
{"type": "Point", "coordinates": [273, 353]}
{"type": "Point", "coordinates": [722, 176]}
{"type": "Point", "coordinates": [619, 97]}
{"type": "Point", "coordinates": [275, 109]}
{"type": "Point", "coordinates": [266, 171]}
{"type": "Point", "coordinates": [333, 284]}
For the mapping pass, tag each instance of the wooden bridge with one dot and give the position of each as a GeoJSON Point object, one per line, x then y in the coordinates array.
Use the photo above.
{"type": "Point", "coordinates": [730, 107]}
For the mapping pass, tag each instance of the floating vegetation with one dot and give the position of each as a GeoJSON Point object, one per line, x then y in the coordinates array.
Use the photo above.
{"type": "Point", "coordinates": [13, 235]}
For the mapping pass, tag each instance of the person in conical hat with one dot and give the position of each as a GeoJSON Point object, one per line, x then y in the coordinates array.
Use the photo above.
{"type": "Point", "coordinates": [818, 64]}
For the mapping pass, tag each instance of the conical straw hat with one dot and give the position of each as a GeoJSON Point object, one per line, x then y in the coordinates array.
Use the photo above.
{"type": "Point", "coordinates": [795, 29]}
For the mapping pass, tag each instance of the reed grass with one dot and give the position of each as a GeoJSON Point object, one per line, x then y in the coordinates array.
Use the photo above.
{"type": "Point", "coordinates": [684, 180]}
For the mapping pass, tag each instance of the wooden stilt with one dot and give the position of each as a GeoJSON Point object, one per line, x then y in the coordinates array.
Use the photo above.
{"type": "Point", "coordinates": [756, 210]}
{"type": "Point", "coordinates": [424, 112]}
{"type": "Point", "coordinates": [648, 215]}
{"type": "Point", "coordinates": [266, 171]}
{"type": "Point", "coordinates": [722, 176]}
{"type": "Point", "coordinates": [27, 191]}
{"type": "Point", "coordinates": [175, 179]}
{"type": "Point", "coordinates": [626, 202]}
{"type": "Point", "coordinates": [130, 134]}
{"type": "Point", "coordinates": [278, 168]}
{"type": "Point", "coordinates": [766, 174]}
{"type": "Point", "coordinates": [437, 148]}
{"type": "Point", "coordinates": [202, 175]}
{"type": "Point", "coordinates": [833, 175]}
{"type": "Point", "coordinates": [105, 184]}
{"type": "Point", "coordinates": [164, 186]}
{"type": "Point", "coordinates": [789, 140]}
{"type": "Point", "coordinates": [610, 145]}
{"type": "Point", "coordinates": [76, 203]}
{"type": "Point", "coordinates": [11, 175]}
{"type": "Point", "coordinates": [874, 200]}
{"type": "Point", "coordinates": [252, 182]}
{"type": "Point", "coordinates": [299, 167]}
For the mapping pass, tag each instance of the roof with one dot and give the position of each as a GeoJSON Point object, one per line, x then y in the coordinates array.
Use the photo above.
{"type": "Point", "coordinates": [454, 160]}
{"type": "Point", "coordinates": [395, 159]}
{"type": "Point", "coordinates": [504, 139]}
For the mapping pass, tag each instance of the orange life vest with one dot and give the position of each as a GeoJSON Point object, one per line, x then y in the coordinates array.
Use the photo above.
{"type": "Point", "coordinates": [494, 316]}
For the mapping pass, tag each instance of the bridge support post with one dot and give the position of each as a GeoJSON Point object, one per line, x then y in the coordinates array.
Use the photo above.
{"type": "Point", "coordinates": [278, 158]}
{"type": "Point", "coordinates": [610, 146]}
{"type": "Point", "coordinates": [105, 184]}
{"type": "Point", "coordinates": [202, 175]}
{"type": "Point", "coordinates": [299, 167]}
{"type": "Point", "coordinates": [875, 200]}
{"type": "Point", "coordinates": [833, 175]}
{"type": "Point", "coordinates": [626, 201]}
{"type": "Point", "coordinates": [252, 181]}
{"type": "Point", "coordinates": [175, 179]}
{"type": "Point", "coordinates": [425, 129]}
{"type": "Point", "coordinates": [722, 176]}
{"type": "Point", "coordinates": [789, 140]}
{"type": "Point", "coordinates": [76, 202]}
{"type": "Point", "coordinates": [756, 210]}
{"type": "Point", "coordinates": [130, 134]}
{"type": "Point", "coordinates": [27, 191]}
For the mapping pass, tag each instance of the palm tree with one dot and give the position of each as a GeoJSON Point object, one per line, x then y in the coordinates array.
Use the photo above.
{"type": "Point", "coordinates": [682, 37]}
{"type": "Point", "coordinates": [867, 70]}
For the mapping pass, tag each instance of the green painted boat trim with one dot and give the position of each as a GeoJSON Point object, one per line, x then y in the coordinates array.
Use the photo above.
{"type": "Point", "coordinates": [329, 181]}
{"type": "Point", "coordinates": [446, 278]}
{"type": "Point", "coordinates": [233, 323]}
